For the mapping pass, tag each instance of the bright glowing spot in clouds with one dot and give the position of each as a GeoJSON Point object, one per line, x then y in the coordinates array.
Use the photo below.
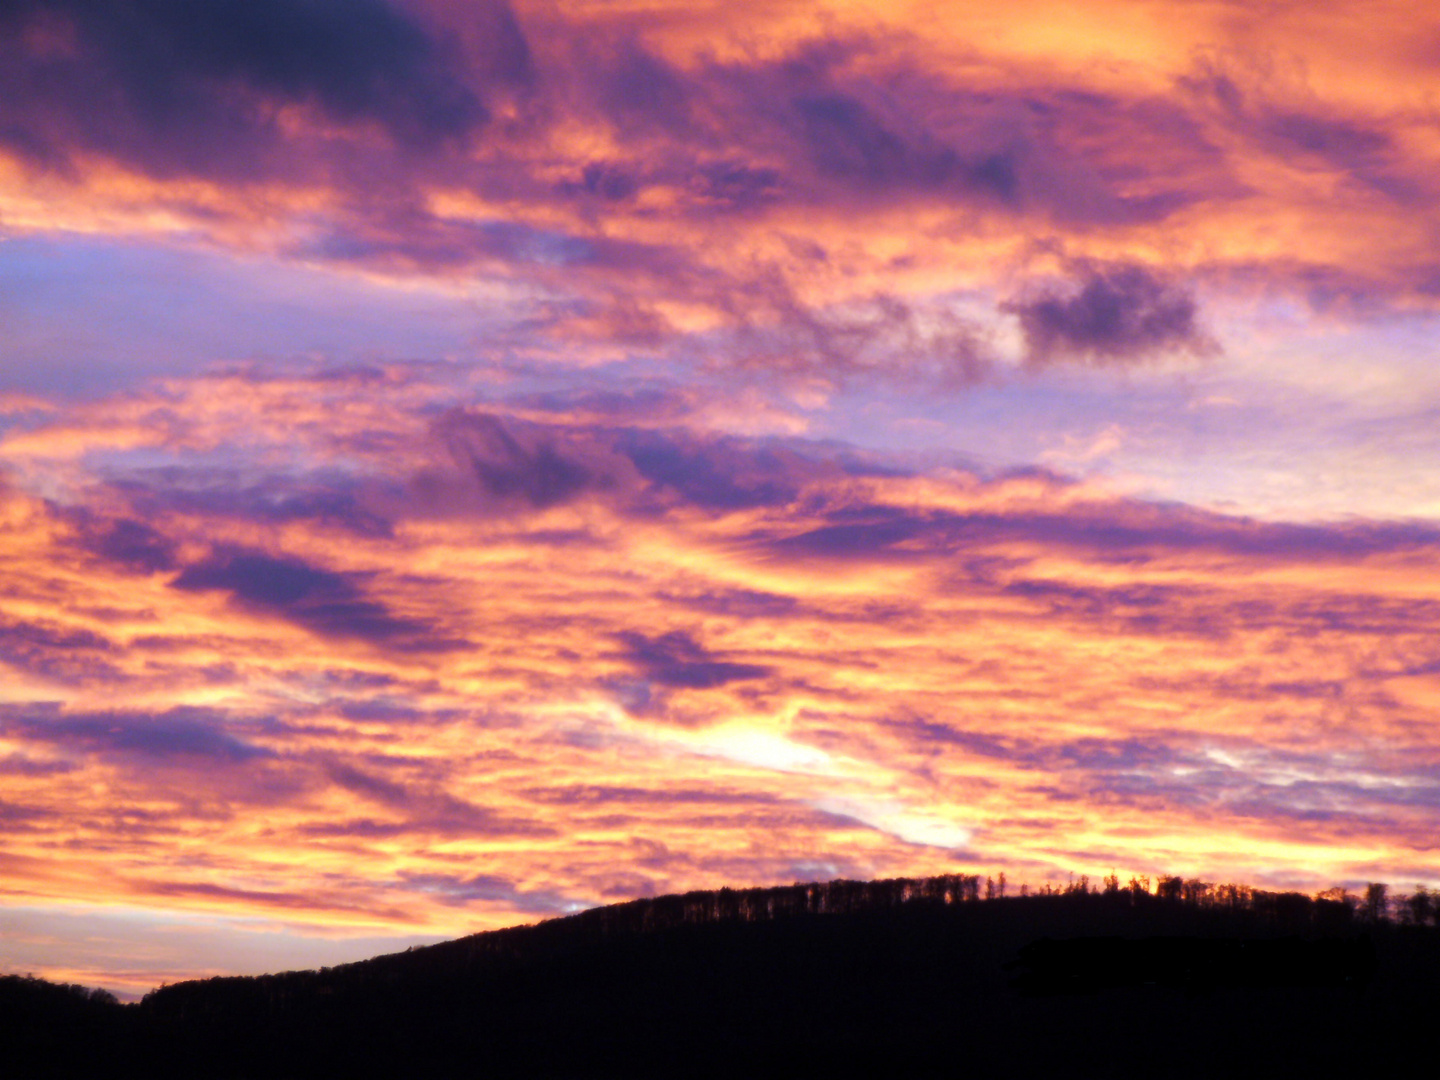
{"type": "Point", "coordinates": [913, 826]}
{"type": "Point", "coordinates": [1224, 757]}
{"type": "Point", "coordinates": [853, 783]}
{"type": "Point", "coordinates": [739, 741]}
{"type": "Point", "coordinates": [1333, 769]}
{"type": "Point", "coordinates": [763, 749]}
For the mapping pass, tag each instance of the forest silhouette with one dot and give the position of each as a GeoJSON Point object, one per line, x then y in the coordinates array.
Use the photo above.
{"type": "Point", "coordinates": [1178, 978]}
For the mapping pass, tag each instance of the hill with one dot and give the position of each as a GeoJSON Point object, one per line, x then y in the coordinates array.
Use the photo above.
{"type": "Point", "coordinates": [810, 980]}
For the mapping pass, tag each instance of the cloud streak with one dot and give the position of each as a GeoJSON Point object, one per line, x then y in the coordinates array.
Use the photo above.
{"type": "Point", "coordinates": [571, 634]}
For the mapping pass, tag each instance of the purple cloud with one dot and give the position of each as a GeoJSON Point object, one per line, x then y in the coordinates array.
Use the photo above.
{"type": "Point", "coordinates": [458, 891]}
{"type": "Point", "coordinates": [678, 661]}
{"type": "Point", "coordinates": [514, 461]}
{"type": "Point", "coordinates": [69, 654]}
{"type": "Point", "coordinates": [181, 87]}
{"type": "Point", "coordinates": [327, 603]}
{"type": "Point", "coordinates": [181, 733]}
{"type": "Point", "coordinates": [1117, 314]}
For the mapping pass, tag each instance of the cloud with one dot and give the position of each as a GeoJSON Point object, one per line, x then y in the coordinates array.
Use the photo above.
{"type": "Point", "coordinates": [327, 603]}
{"type": "Point", "coordinates": [181, 87]}
{"type": "Point", "coordinates": [1116, 314]}
{"type": "Point", "coordinates": [879, 339]}
{"type": "Point", "coordinates": [20, 765]}
{"type": "Point", "coordinates": [668, 634]}
{"type": "Point", "coordinates": [1060, 514]}
{"type": "Point", "coordinates": [587, 605]}
{"type": "Point", "coordinates": [130, 544]}
{"type": "Point", "coordinates": [490, 888]}
{"type": "Point", "coordinates": [678, 661]}
{"type": "Point", "coordinates": [580, 795]}
{"type": "Point", "coordinates": [231, 897]}
{"type": "Point", "coordinates": [717, 474]}
{"type": "Point", "coordinates": [648, 189]}
{"type": "Point", "coordinates": [328, 499]}
{"type": "Point", "coordinates": [1289, 124]}
{"type": "Point", "coordinates": [637, 462]}
{"type": "Point", "coordinates": [70, 654]}
{"type": "Point", "coordinates": [422, 809]}
{"type": "Point", "coordinates": [515, 462]}
{"type": "Point", "coordinates": [848, 142]}
{"type": "Point", "coordinates": [385, 792]}
{"type": "Point", "coordinates": [853, 120]}
{"type": "Point", "coordinates": [738, 603]}
{"type": "Point", "coordinates": [184, 732]}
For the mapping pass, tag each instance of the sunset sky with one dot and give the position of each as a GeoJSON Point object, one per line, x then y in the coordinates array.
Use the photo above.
{"type": "Point", "coordinates": [462, 463]}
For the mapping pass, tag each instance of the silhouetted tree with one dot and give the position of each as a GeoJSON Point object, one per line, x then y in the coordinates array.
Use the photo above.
{"type": "Point", "coordinates": [1334, 909]}
{"type": "Point", "coordinates": [1196, 891]}
{"type": "Point", "coordinates": [1234, 897]}
{"type": "Point", "coordinates": [1419, 906]}
{"type": "Point", "coordinates": [1375, 905]}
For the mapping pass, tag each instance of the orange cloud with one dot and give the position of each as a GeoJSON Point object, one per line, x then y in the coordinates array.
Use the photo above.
{"type": "Point", "coordinates": [519, 666]}
{"type": "Point", "coordinates": [412, 649]}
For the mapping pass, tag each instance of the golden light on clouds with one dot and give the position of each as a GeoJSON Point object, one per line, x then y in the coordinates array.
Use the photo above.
{"type": "Point", "coordinates": [464, 463]}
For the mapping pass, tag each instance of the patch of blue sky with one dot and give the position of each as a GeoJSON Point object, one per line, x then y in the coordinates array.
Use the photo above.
{"type": "Point", "coordinates": [86, 317]}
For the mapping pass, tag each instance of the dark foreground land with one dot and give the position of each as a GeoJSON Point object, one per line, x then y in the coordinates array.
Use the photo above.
{"type": "Point", "coordinates": [878, 978]}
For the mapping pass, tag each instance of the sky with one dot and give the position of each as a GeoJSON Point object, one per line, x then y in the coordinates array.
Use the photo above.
{"type": "Point", "coordinates": [464, 463]}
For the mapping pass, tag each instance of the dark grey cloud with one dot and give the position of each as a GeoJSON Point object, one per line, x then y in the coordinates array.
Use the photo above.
{"type": "Point", "coordinates": [736, 603]}
{"type": "Point", "coordinates": [847, 141]}
{"type": "Point", "coordinates": [678, 661]}
{"type": "Point", "coordinates": [423, 808]}
{"type": "Point", "coordinates": [68, 654]}
{"type": "Point", "coordinates": [332, 500]}
{"type": "Point", "coordinates": [979, 743]}
{"type": "Point", "coordinates": [386, 709]}
{"type": "Point", "coordinates": [134, 545]}
{"type": "Point", "coordinates": [405, 237]}
{"type": "Point", "coordinates": [1115, 314]}
{"type": "Point", "coordinates": [322, 601]}
{"type": "Point", "coordinates": [20, 765]}
{"type": "Point", "coordinates": [735, 186]}
{"type": "Point", "coordinates": [718, 474]}
{"type": "Point", "coordinates": [179, 734]}
{"type": "Point", "coordinates": [458, 891]}
{"type": "Point", "coordinates": [847, 122]}
{"type": "Point", "coordinates": [125, 542]}
{"type": "Point", "coordinates": [1119, 755]}
{"type": "Point", "coordinates": [876, 538]}
{"type": "Point", "coordinates": [1168, 610]}
{"type": "Point", "coordinates": [1355, 148]}
{"type": "Point", "coordinates": [618, 407]}
{"type": "Point", "coordinates": [16, 818]}
{"type": "Point", "coordinates": [638, 90]}
{"type": "Point", "coordinates": [519, 465]}
{"type": "Point", "coordinates": [772, 331]}
{"type": "Point", "coordinates": [512, 461]}
{"type": "Point", "coordinates": [266, 898]}
{"type": "Point", "coordinates": [179, 86]}
{"type": "Point", "coordinates": [377, 788]}
{"type": "Point", "coordinates": [1128, 531]}
{"type": "Point", "coordinates": [610, 794]}
{"type": "Point", "coordinates": [20, 640]}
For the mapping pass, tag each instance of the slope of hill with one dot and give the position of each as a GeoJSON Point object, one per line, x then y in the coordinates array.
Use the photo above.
{"type": "Point", "coordinates": [878, 977]}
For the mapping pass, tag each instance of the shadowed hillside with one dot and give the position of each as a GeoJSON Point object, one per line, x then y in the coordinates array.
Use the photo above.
{"type": "Point", "coordinates": [813, 979]}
